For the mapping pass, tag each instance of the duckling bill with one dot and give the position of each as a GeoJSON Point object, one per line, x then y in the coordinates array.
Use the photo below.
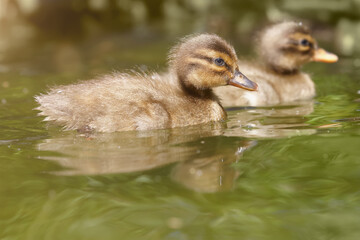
{"type": "Point", "coordinates": [123, 102]}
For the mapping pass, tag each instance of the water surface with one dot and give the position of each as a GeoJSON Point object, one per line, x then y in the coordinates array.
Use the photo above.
{"type": "Point", "coordinates": [285, 172]}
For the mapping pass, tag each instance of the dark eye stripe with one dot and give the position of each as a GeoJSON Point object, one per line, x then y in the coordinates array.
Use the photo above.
{"type": "Point", "coordinates": [293, 42]}
{"type": "Point", "coordinates": [201, 65]}
{"type": "Point", "coordinates": [210, 60]}
{"type": "Point", "coordinates": [296, 46]}
{"type": "Point", "coordinates": [199, 56]}
{"type": "Point", "coordinates": [297, 43]}
{"type": "Point", "coordinates": [195, 65]}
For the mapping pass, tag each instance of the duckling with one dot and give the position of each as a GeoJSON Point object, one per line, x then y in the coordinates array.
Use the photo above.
{"type": "Point", "coordinates": [124, 102]}
{"type": "Point", "coordinates": [283, 49]}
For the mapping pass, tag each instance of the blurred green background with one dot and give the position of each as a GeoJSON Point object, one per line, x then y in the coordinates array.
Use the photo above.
{"type": "Point", "coordinates": [35, 29]}
{"type": "Point", "coordinates": [289, 172]}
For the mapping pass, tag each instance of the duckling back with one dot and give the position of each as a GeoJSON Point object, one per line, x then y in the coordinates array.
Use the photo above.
{"type": "Point", "coordinates": [106, 104]}
{"type": "Point", "coordinates": [122, 102]}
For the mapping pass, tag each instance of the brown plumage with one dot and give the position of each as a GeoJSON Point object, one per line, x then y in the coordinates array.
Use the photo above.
{"type": "Point", "coordinates": [283, 48]}
{"type": "Point", "coordinates": [122, 102]}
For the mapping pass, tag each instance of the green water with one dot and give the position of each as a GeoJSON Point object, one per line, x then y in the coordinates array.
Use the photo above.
{"type": "Point", "coordinates": [289, 172]}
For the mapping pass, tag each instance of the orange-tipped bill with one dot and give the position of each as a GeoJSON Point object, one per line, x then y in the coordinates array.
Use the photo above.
{"type": "Point", "coordinates": [241, 81]}
{"type": "Point", "coordinates": [323, 56]}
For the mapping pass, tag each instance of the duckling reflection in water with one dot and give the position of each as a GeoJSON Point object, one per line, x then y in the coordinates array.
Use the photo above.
{"type": "Point", "coordinates": [283, 49]}
{"type": "Point", "coordinates": [103, 153]}
{"type": "Point", "coordinates": [121, 102]}
{"type": "Point", "coordinates": [213, 173]}
{"type": "Point", "coordinates": [202, 162]}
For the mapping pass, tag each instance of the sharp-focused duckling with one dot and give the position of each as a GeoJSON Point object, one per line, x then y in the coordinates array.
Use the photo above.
{"type": "Point", "coordinates": [283, 49]}
{"type": "Point", "coordinates": [122, 102]}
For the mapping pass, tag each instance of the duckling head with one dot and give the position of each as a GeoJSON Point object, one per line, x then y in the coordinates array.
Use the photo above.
{"type": "Point", "coordinates": [286, 46]}
{"type": "Point", "coordinates": [204, 61]}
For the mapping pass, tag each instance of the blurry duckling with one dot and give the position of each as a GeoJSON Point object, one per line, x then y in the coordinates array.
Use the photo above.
{"type": "Point", "coordinates": [124, 102]}
{"type": "Point", "coordinates": [283, 48]}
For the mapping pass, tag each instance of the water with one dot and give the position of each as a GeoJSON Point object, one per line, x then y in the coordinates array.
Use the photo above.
{"type": "Point", "coordinates": [286, 172]}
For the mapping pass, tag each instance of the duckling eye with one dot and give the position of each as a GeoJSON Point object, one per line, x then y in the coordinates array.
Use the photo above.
{"type": "Point", "coordinates": [219, 61]}
{"type": "Point", "coordinates": [305, 42]}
